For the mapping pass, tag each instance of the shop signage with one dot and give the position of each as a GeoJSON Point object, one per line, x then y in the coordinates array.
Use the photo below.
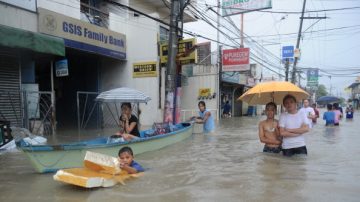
{"type": "Point", "coordinates": [312, 77]}
{"type": "Point", "coordinates": [233, 7]}
{"type": "Point", "coordinates": [204, 92]}
{"type": "Point", "coordinates": [81, 35]}
{"type": "Point", "coordinates": [236, 59]}
{"type": "Point", "coordinates": [61, 68]}
{"type": "Point", "coordinates": [183, 56]}
{"type": "Point", "coordinates": [144, 69]}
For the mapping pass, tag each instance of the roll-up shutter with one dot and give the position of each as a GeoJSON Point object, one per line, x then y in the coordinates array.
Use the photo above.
{"type": "Point", "coordinates": [10, 95]}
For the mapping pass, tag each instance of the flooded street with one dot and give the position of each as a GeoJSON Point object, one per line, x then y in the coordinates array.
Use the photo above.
{"type": "Point", "coordinates": [226, 166]}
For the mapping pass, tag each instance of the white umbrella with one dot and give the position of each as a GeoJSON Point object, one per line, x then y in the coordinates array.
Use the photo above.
{"type": "Point", "coordinates": [123, 95]}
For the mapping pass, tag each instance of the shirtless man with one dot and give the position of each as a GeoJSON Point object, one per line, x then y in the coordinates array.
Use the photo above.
{"type": "Point", "coordinates": [269, 131]}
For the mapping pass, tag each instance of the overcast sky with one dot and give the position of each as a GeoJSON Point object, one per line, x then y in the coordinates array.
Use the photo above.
{"type": "Point", "coordinates": [332, 44]}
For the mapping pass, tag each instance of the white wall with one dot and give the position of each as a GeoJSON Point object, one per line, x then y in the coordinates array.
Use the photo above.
{"type": "Point", "coordinates": [69, 8]}
{"type": "Point", "coordinates": [203, 77]}
{"type": "Point", "coordinates": [18, 18]}
{"type": "Point", "coordinates": [141, 44]}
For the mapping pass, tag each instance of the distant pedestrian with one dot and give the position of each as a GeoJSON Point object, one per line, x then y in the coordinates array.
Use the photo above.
{"type": "Point", "coordinates": [329, 116]}
{"type": "Point", "coordinates": [338, 114]}
{"type": "Point", "coordinates": [349, 112]}
{"type": "Point", "coordinates": [308, 111]}
{"type": "Point", "coordinates": [317, 113]}
{"type": "Point", "coordinates": [293, 125]}
{"type": "Point", "coordinates": [226, 110]}
{"type": "Point", "coordinates": [206, 118]}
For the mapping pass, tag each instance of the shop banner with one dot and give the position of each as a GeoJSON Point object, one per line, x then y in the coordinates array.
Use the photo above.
{"type": "Point", "coordinates": [236, 59]}
{"type": "Point", "coordinates": [144, 69]}
{"type": "Point", "coordinates": [233, 7]}
{"type": "Point", "coordinates": [184, 56]}
{"type": "Point", "coordinates": [312, 77]}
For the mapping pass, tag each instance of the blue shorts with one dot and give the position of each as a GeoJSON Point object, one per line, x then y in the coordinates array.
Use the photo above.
{"type": "Point", "coordinates": [272, 149]}
{"type": "Point", "coordinates": [292, 151]}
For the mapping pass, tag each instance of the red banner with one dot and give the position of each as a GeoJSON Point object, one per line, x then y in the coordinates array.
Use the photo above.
{"type": "Point", "coordinates": [236, 59]}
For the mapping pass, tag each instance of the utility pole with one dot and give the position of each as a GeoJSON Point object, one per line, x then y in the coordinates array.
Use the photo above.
{"type": "Point", "coordinates": [293, 76]}
{"type": "Point", "coordinates": [298, 43]}
{"type": "Point", "coordinates": [219, 79]}
{"type": "Point", "coordinates": [287, 69]}
{"type": "Point", "coordinates": [170, 80]}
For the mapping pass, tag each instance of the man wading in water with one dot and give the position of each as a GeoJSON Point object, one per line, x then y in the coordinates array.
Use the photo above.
{"type": "Point", "coordinates": [268, 130]}
{"type": "Point", "coordinates": [293, 125]}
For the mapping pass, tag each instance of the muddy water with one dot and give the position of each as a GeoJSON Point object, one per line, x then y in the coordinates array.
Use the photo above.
{"type": "Point", "coordinates": [225, 166]}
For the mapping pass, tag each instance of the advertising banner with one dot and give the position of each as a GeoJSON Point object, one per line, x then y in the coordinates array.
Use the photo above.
{"type": "Point", "coordinates": [144, 69]}
{"type": "Point", "coordinates": [184, 45]}
{"type": "Point", "coordinates": [236, 59]}
{"type": "Point", "coordinates": [312, 77]}
{"type": "Point", "coordinates": [233, 7]}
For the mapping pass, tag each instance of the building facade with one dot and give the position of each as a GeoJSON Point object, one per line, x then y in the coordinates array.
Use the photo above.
{"type": "Point", "coordinates": [78, 49]}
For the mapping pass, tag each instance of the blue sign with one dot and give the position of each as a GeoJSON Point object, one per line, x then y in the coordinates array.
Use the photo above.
{"type": "Point", "coordinates": [287, 51]}
{"type": "Point", "coordinates": [291, 60]}
{"type": "Point", "coordinates": [61, 68]}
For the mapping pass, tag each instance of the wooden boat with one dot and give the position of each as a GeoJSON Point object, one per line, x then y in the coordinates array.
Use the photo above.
{"type": "Point", "coordinates": [50, 158]}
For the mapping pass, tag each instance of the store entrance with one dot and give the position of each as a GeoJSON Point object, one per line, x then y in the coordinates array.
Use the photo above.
{"type": "Point", "coordinates": [83, 76]}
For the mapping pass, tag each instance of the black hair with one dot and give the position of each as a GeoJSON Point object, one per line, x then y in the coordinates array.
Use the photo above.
{"type": "Point", "coordinates": [336, 105]}
{"type": "Point", "coordinates": [202, 103]}
{"type": "Point", "coordinates": [288, 96]}
{"type": "Point", "coordinates": [126, 149]}
{"type": "Point", "coordinates": [127, 104]}
{"type": "Point", "coordinates": [329, 106]}
{"type": "Point", "coordinates": [270, 104]}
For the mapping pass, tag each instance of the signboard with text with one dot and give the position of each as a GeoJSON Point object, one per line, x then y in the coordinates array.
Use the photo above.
{"type": "Point", "coordinates": [144, 69]}
{"type": "Point", "coordinates": [81, 35]}
{"type": "Point", "coordinates": [236, 59]}
{"type": "Point", "coordinates": [184, 45]}
{"type": "Point", "coordinates": [233, 7]}
{"type": "Point", "coordinates": [312, 77]}
{"type": "Point", "coordinates": [61, 68]}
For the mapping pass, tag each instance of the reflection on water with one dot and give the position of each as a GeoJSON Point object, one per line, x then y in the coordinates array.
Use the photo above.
{"type": "Point", "coordinates": [225, 166]}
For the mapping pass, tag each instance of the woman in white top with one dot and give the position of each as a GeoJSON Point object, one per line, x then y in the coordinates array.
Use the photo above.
{"type": "Point", "coordinates": [293, 125]}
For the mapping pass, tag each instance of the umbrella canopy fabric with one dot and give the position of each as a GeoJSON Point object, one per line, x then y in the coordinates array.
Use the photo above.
{"type": "Point", "coordinates": [273, 91]}
{"type": "Point", "coordinates": [123, 95]}
{"type": "Point", "coordinates": [327, 99]}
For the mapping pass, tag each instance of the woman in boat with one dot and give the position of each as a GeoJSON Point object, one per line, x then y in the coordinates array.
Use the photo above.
{"type": "Point", "coordinates": [128, 123]}
{"type": "Point", "coordinates": [205, 118]}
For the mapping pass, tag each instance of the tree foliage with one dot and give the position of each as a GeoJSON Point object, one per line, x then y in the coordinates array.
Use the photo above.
{"type": "Point", "coordinates": [321, 91]}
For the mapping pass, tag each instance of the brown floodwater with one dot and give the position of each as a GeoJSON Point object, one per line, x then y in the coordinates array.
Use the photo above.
{"type": "Point", "coordinates": [225, 166]}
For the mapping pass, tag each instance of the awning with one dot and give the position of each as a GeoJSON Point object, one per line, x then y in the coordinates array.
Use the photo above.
{"type": "Point", "coordinates": [18, 38]}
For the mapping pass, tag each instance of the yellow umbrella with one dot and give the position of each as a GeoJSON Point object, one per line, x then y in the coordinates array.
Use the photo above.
{"type": "Point", "coordinates": [274, 91]}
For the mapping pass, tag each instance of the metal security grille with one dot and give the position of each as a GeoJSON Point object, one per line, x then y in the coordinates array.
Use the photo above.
{"type": "Point", "coordinates": [10, 96]}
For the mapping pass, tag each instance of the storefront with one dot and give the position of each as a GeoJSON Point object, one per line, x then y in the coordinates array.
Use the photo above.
{"type": "Point", "coordinates": [20, 50]}
{"type": "Point", "coordinates": [88, 47]}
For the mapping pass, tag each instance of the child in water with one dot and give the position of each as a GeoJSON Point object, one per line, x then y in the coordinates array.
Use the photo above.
{"type": "Point", "coordinates": [126, 158]}
{"type": "Point", "coordinates": [269, 131]}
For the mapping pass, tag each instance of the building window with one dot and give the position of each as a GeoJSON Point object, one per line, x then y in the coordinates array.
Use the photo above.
{"type": "Point", "coordinates": [164, 34]}
{"type": "Point", "coordinates": [94, 12]}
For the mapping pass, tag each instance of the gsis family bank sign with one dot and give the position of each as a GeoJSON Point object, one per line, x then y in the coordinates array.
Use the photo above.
{"type": "Point", "coordinates": [81, 35]}
{"type": "Point", "coordinates": [236, 60]}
